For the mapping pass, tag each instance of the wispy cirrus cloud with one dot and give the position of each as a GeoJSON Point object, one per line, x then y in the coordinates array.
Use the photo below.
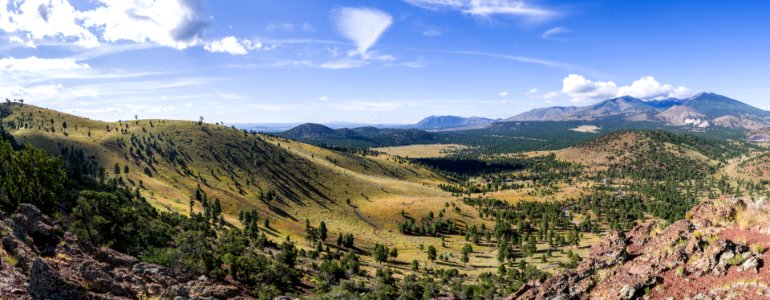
{"type": "Point", "coordinates": [518, 58]}
{"type": "Point", "coordinates": [288, 27]}
{"type": "Point", "coordinates": [489, 8]}
{"type": "Point", "coordinates": [556, 34]}
{"type": "Point", "coordinates": [362, 26]}
{"type": "Point", "coordinates": [343, 64]}
{"type": "Point", "coordinates": [36, 64]}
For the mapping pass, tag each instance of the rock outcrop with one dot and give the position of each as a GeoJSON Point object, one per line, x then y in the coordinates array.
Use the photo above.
{"type": "Point", "coordinates": [708, 255]}
{"type": "Point", "coordinates": [40, 261]}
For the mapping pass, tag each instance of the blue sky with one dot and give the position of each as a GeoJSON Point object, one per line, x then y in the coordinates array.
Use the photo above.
{"type": "Point", "coordinates": [395, 61]}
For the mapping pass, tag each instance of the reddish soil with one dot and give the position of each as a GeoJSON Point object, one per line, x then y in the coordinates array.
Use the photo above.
{"type": "Point", "coordinates": [734, 284]}
{"type": "Point", "coordinates": [746, 237]}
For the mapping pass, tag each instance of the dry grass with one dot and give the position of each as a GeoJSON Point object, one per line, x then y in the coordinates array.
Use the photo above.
{"type": "Point", "coordinates": [7, 258]}
{"type": "Point", "coordinates": [751, 217]}
{"type": "Point", "coordinates": [422, 151]}
{"type": "Point", "coordinates": [313, 183]}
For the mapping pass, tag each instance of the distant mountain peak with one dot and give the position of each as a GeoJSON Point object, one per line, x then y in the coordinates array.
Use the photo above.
{"type": "Point", "coordinates": [448, 122]}
{"type": "Point", "coordinates": [702, 109]}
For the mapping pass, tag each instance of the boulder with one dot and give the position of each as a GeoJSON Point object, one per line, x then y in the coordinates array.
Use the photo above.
{"type": "Point", "coordinates": [752, 263]}
{"type": "Point", "coordinates": [51, 264]}
{"type": "Point", "coordinates": [34, 228]}
{"type": "Point", "coordinates": [45, 282]}
{"type": "Point", "coordinates": [115, 258]}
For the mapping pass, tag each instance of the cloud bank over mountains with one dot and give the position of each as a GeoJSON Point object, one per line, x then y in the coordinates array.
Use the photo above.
{"type": "Point", "coordinates": [580, 90]}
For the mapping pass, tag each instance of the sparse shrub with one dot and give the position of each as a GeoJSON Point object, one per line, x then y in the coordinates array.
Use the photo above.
{"type": "Point", "coordinates": [8, 259]}
{"type": "Point", "coordinates": [736, 260]}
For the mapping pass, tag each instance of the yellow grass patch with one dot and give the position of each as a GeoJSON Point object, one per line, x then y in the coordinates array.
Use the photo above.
{"type": "Point", "coordinates": [422, 151]}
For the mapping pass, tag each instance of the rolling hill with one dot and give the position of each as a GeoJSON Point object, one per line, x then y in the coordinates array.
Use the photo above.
{"type": "Point", "coordinates": [627, 148]}
{"type": "Point", "coordinates": [284, 180]}
{"type": "Point", "coordinates": [361, 137]}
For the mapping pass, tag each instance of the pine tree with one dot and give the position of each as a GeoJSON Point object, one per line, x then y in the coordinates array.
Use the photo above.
{"type": "Point", "coordinates": [431, 253]}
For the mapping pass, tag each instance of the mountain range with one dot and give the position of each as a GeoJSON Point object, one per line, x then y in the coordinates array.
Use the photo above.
{"type": "Point", "coordinates": [701, 110]}
{"type": "Point", "coordinates": [441, 123]}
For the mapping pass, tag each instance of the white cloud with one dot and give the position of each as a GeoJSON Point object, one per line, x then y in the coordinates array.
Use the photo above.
{"type": "Point", "coordinates": [551, 95]}
{"type": "Point", "coordinates": [534, 94]}
{"type": "Point", "coordinates": [172, 23]}
{"type": "Point", "coordinates": [46, 92]}
{"type": "Point", "coordinates": [18, 40]}
{"type": "Point", "coordinates": [503, 94]}
{"type": "Point", "coordinates": [35, 64]}
{"type": "Point", "coordinates": [649, 88]}
{"type": "Point", "coordinates": [40, 19]}
{"type": "Point", "coordinates": [580, 89]}
{"type": "Point", "coordinates": [254, 45]}
{"type": "Point", "coordinates": [362, 26]}
{"type": "Point", "coordinates": [556, 33]}
{"type": "Point", "coordinates": [343, 64]}
{"type": "Point", "coordinates": [230, 45]}
{"type": "Point", "coordinates": [233, 46]}
{"type": "Point", "coordinates": [323, 98]}
{"type": "Point", "coordinates": [487, 8]}
{"type": "Point", "coordinates": [351, 61]}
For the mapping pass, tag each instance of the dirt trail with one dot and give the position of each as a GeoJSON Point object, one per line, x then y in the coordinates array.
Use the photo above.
{"type": "Point", "coordinates": [362, 218]}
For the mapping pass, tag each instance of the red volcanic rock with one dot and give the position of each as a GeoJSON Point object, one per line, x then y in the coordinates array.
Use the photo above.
{"type": "Point", "coordinates": [705, 256]}
{"type": "Point", "coordinates": [54, 265]}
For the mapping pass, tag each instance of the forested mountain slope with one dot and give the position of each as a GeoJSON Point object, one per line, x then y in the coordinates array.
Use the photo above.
{"type": "Point", "coordinates": [360, 137]}
{"type": "Point", "coordinates": [176, 164]}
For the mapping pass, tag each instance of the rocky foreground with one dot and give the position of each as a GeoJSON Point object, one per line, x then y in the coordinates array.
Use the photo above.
{"type": "Point", "coordinates": [40, 261]}
{"type": "Point", "coordinates": [717, 252]}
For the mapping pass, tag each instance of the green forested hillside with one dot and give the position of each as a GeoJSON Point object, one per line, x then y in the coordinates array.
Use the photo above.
{"type": "Point", "coordinates": [357, 138]}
